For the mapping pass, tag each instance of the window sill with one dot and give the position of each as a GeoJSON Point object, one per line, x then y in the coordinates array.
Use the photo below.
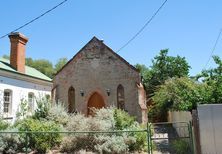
{"type": "Point", "coordinates": [7, 116]}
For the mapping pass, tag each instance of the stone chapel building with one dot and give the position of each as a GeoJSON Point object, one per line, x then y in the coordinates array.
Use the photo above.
{"type": "Point", "coordinates": [98, 77]}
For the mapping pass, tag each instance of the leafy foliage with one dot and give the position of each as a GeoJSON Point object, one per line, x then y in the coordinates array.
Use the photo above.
{"type": "Point", "coordinates": [179, 94]}
{"type": "Point", "coordinates": [24, 108]}
{"type": "Point", "coordinates": [183, 94]}
{"type": "Point", "coordinates": [58, 114]}
{"type": "Point", "coordinates": [6, 56]}
{"type": "Point", "coordinates": [163, 67]}
{"type": "Point", "coordinates": [55, 119]}
{"type": "Point", "coordinates": [123, 119]}
{"type": "Point", "coordinates": [60, 63]}
{"type": "Point", "coordinates": [43, 65]}
{"type": "Point", "coordinates": [104, 120]}
{"type": "Point", "coordinates": [43, 106]}
{"type": "Point", "coordinates": [11, 143]}
{"type": "Point", "coordinates": [114, 144]}
{"type": "Point", "coordinates": [79, 122]}
{"type": "Point", "coordinates": [3, 125]}
{"type": "Point", "coordinates": [40, 142]}
{"type": "Point", "coordinates": [212, 78]}
{"type": "Point", "coordinates": [145, 72]}
{"type": "Point", "coordinates": [181, 146]}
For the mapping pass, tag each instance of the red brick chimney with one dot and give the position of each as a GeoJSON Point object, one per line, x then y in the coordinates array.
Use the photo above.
{"type": "Point", "coordinates": [17, 55]}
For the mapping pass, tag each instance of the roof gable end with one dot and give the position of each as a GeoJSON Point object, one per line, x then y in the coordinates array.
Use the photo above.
{"type": "Point", "coordinates": [96, 40]}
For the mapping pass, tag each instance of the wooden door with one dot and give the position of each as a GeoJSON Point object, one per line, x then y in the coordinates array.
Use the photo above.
{"type": "Point", "coordinates": [95, 101]}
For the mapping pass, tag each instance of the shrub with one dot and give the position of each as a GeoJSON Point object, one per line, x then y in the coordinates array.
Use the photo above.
{"type": "Point", "coordinates": [43, 105]}
{"type": "Point", "coordinates": [113, 144]}
{"type": "Point", "coordinates": [85, 141]}
{"type": "Point", "coordinates": [177, 94]}
{"type": "Point", "coordinates": [122, 119]}
{"type": "Point", "coordinates": [11, 143]}
{"type": "Point", "coordinates": [78, 142]}
{"type": "Point", "coordinates": [24, 108]}
{"type": "Point", "coordinates": [141, 138]}
{"type": "Point", "coordinates": [3, 125]}
{"type": "Point", "coordinates": [39, 141]}
{"type": "Point", "coordinates": [58, 114]}
{"type": "Point", "coordinates": [104, 120]}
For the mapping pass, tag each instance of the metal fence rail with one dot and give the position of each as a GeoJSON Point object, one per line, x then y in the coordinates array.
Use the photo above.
{"type": "Point", "coordinates": [169, 137]}
{"type": "Point", "coordinates": [50, 135]}
{"type": "Point", "coordinates": [157, 135]}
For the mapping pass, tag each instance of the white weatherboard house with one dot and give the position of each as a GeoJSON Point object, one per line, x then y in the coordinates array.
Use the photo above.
{"type": "Point", "coordinates": [19, 82]}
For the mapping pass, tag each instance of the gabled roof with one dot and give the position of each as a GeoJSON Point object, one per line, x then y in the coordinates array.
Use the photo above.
{"type": "Point", "coordinates": [29, 71]}
{"type": "Point", "coordinates": [96, 39]}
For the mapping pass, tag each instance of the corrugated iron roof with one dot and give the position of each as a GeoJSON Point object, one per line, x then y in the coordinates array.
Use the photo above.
{"type": "Point", "coordinates": [29, 71]}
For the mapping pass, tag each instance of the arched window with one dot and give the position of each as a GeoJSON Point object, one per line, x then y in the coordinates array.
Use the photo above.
{"type": "Point", "coordinates": [7, 107]}
{"type": "Point", "coordinates": [120, 97]}
{"type": "Point", "coordinates": [71, 100]}
{"type": "Point", "coordinates": [31, 101]}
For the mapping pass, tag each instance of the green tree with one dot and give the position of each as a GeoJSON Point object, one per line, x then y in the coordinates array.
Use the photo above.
{"type": "Point", "coordinates": [60, 63]}
{"type": "Point", "coordinates": [163, 67]}
{"type": "Point", "coordinates": [42, 65]}
{"type": "Point", "coordinates": [177, 94]}
{"type": "Point", "coordinates": [145, 73]}
{"type": "Point", "coordinates": [6, 56]}
{"type": "Point", "coordinates": [213, 80]}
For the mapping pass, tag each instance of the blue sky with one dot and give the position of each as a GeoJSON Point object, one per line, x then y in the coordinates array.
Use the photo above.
{"type": "Point", "coordinates": [187, 28]}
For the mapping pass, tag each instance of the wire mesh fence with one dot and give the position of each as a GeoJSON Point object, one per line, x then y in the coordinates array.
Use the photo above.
{"type": "Point", "coordinates": [157, 137]}
{"type": "Point", "coordinates": [173, 138]}
{"type": "Point", "coordinates": [123, 141]}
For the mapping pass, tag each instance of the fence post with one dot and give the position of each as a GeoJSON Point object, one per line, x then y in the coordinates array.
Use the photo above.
{"type": "Point", "coordinates": [191, 137]}
{"type": "Point", "coordinates": [196, 131]}
{"type": "Point", "coordinates": [26, 142]}
{"type": "Point", "coordinates": [151, 143]}
{"type": "Point", "coordinates": [148, 137]}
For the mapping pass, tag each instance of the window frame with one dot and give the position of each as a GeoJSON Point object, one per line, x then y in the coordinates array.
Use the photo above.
{"type": "Point", "coordinates": [7, 104]}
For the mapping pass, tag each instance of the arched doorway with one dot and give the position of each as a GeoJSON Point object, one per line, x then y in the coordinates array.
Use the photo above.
{"type": "Point", "coordinates": [96, 101]}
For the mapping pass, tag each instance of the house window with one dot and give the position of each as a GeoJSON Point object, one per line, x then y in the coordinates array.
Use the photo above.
{"type": "Point", "coordinates": [7, 101]}
{"type": "Point", "coordinates": [31, 101]}
{"type": "Point", "coordinates": [71, 100]}
{"type": "Point", "coordinates": [120, 97]}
